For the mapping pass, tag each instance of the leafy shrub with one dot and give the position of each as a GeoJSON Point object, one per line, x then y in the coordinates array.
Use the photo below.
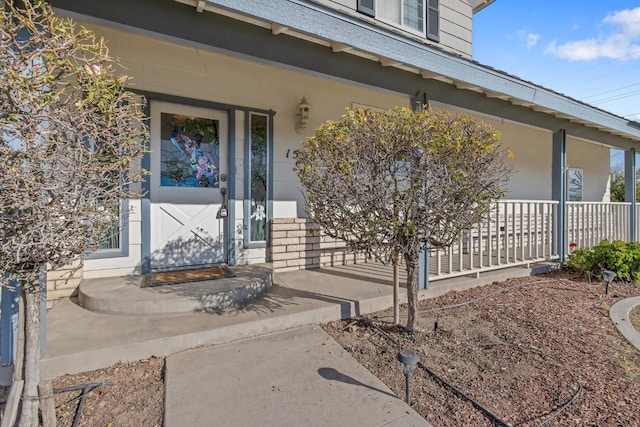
{"type": "Point", "coordinates": [623, 258]}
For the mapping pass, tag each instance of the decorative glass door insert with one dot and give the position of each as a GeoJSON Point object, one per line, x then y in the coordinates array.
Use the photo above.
{"type": "Point", "coordinates": [190, 151]}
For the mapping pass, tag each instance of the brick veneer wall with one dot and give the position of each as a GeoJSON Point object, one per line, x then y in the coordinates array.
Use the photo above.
{"type": "Point", "coordinates": [299, 244]}
{"type": "Point", "coordinates": [64, 281]}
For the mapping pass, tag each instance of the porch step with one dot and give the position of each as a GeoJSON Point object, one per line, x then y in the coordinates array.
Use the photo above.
{"type": "Point", "coordinates": [124, 296]}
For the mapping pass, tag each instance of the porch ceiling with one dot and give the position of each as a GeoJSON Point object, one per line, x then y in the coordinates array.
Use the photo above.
{"type": "Point", "coordinates": [305, 35]}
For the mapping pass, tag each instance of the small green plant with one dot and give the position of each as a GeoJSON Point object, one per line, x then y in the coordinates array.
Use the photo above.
{"type": "Point", "coordinates": [628, 367]}
{"type": "Point", "coordinates": [623, 258]}
{"type": "Point", "coordinates": [580, 260]}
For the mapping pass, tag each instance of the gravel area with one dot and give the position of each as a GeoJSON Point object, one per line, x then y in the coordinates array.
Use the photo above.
{"type": "Point", "coordinates": [528, 352]}
{"type": "Point", "coordinates": [123, 395]}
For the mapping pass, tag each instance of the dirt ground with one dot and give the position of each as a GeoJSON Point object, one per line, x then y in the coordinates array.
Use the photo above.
{"type": "Point", "coordinates": [535, 354]}
{"type": "Point", "coordinates": [529, 355]}
{"type": "Point", "coordinates": [123, 395]}
{"type": "Point", "coordinates": [126, 394]}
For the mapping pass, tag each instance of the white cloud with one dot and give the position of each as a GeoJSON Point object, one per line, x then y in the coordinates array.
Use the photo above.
{"type": "Point", "coordinates": [628, 20]}
{"type": "Point", "coordinates": [622, 41]}
{"type": "Point", "coordinates": [529, 38]}
{"type": "Point", "coordinates": [532, 40]}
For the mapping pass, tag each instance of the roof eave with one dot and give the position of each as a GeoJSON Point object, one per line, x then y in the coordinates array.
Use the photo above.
{"type": "Point", "coordinates": [478, 5]}
{"type": "Point", "coordinates": [313, 21]}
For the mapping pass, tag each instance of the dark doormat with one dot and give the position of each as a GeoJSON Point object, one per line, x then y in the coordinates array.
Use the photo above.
{"type": "Point", "coordinates": [184, 276]}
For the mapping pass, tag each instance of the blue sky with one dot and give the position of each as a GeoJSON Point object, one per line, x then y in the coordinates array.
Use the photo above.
{"type": "Point", "coordinates": [588, 49]}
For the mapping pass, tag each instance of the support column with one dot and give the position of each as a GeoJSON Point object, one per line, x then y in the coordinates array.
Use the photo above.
{"type": "Point", "coordinates": [630, 195]}
{"type": "Point", "coordinates": [559, 191]}
{"type": "Point", "coordinates": [423, 270]}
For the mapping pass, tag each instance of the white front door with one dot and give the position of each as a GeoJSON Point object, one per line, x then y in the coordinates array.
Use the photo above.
{"type": "Point", "coordinates": [188, 179]}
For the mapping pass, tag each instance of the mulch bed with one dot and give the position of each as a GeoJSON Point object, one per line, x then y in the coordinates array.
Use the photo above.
{"type": "Point", "coordinates": [530, 355]}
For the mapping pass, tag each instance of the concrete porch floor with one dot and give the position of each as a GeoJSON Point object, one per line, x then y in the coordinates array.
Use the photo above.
{"type": "Point", "coordinates": [80, 340]}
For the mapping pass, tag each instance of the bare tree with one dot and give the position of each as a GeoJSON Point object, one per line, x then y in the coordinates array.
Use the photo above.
{"type": "Point", "coordinates": [395, 183]}
{"type": "Point", "coordinates": [70, 141]}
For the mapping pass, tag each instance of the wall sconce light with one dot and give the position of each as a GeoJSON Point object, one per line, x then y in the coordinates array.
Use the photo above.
{"type": "Point", "coordinates": [302, 115]}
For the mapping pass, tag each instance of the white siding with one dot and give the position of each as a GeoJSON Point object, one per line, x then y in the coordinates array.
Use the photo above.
{"type": "Point", "coordinates": [455, 21]}
{"type": "Point", "coordinates": [455, 26]}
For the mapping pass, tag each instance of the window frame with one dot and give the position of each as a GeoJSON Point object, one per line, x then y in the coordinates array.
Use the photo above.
{"type": "Point", "coordinates": [411, 29]}
{"type": "Point", "coordinates": [365, 9]}
{"type": "Point", "coordinates": [581, 173]}
{"type": "Point", "coordinates": [247, 242]}
{"type": "Point", "coordinates": [430, 29]}
{"type": "Point", "coordinates": [123, 227]}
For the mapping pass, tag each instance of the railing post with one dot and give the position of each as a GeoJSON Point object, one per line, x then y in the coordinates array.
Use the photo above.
{"type": "Point", "coordinates": [630, 190]}
{"type": "Point", "coordinates": [558, 191]}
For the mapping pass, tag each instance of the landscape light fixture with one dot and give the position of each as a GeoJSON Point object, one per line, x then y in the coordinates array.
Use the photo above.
{"type": "Point", "coordinates": [608, 276]}
{"type": "Point", "coordinates": [409, 360]}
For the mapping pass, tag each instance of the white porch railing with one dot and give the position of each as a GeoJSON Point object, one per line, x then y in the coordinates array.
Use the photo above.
{"type": "Point", "coordinates": [517, 232]}
{"type": "Point", "coordinates": [588, 223]}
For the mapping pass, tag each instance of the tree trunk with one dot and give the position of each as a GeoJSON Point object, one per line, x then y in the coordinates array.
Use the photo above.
{"type": "Point", "coordinates": [29, 411]}
{"type": "Point", "coordinates": [411, 259]}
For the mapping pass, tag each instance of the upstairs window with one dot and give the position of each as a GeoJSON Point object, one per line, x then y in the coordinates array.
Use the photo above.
{"type": "Point", "coordinates": [413, 14]}
{"type": "Point", "coordinates": [367, 7]}
{"type": "Point", "coordinates": [418, 16]}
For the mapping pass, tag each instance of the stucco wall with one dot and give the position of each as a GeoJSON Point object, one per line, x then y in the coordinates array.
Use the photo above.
{"type": "Point", "coordinates": [169, 68]}
{"type": "Point", "coordinates": [532, 148]}
{"type": "Point", "coordinates": [593, 159]}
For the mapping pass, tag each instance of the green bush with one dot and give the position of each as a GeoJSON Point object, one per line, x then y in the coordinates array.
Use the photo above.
{"type": "Point", "coordinates": [623, 258]}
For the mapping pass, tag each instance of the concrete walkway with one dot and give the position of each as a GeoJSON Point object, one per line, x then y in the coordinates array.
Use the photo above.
{"type": "Point", "coordinates": [300, 377]}
{"type": "Point", "coordinates": [620, 316]}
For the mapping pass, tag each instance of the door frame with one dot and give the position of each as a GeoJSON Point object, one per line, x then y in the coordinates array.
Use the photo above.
{"type": "Point", "coordinates": [175, 202]}
{"type": "Point", "coordinates": [145, 205]}
{"type": "Point", "coordinates": [145, 243]}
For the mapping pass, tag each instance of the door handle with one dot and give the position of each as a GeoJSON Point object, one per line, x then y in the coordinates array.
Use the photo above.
{"type": "Point", "coordinates": [223, 213]}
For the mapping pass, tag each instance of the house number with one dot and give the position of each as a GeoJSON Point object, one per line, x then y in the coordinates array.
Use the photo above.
{"type": "Point", "coordinates": [293, 154]}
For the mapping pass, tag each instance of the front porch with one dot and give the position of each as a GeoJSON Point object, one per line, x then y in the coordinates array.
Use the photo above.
{"type": "Point", "coordinates": [517, 233]}
{"type": "Point", "coordinates": [79, 340]}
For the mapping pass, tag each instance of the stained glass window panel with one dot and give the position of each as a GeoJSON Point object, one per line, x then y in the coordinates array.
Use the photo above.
{"type": "Point", "coordinates": [189, 151]}
{"type": "Point", "coordinates": [259, 135]}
